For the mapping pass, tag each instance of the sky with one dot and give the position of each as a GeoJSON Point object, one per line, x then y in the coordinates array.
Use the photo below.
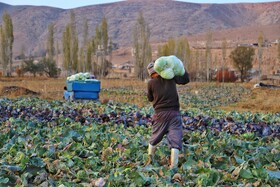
{"type": "Point", "coordinates": [68, 4]}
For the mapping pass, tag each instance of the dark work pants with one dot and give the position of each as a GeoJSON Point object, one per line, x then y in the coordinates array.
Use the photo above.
{"type": "Point", "coordinates": [167, 123]}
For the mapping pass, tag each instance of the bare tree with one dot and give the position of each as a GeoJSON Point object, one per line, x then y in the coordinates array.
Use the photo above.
{"type": "Point", "coordinates": [142, 47]}
{"type": "Point", "coordinates": [183, 51]}
{"type": "Point", "coordinates": [278, 50]}
{"type": "Point", "coordinates": [260, 53]}
{"type": "Point", "coordinates": [168, 49]}
{"type": "Point", "coordinates": [88, 60]}
{"type": "Point", "coordinates": [224, 54]}
{"type": "Point", "coordinates": [57, 51]}
{"type": "Point", "coordinates": [179, 47]}
{"type": "Point", "coordinates": [208, 54]}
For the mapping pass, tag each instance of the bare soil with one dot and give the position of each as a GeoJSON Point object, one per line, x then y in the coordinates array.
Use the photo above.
{"type": "Point", "coordinates": [15, 91]}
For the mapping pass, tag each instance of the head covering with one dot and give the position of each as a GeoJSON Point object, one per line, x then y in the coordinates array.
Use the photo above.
{"type": "Point", "coordinates": [150, 68]}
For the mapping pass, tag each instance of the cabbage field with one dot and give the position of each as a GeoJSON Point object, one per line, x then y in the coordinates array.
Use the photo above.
{"type": "Point", "coordinates": [92, 143]}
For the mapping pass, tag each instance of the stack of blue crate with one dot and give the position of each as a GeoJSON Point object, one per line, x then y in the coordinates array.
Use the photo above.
{"type": "Point", "coordinates": [88, 89]}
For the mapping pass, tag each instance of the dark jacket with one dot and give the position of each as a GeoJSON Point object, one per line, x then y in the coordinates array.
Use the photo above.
{"type": "Point", "coordinates": [163, 92]}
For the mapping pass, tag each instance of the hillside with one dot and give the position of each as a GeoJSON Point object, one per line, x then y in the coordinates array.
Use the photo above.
{"type": "Point", "coordinates": [165, 18]}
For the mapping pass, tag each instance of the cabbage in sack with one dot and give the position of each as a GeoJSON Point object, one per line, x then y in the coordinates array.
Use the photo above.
{"type": "Point", "coordinates": [169, 66]}
{"type": "Point", "coordinates": [167, 73]}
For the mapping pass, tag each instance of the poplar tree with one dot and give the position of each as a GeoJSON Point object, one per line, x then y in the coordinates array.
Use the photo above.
{"type": "Point", "coordinates": [74, 47]}
{"type": "Point", "coordinates": [89, 57]}
{"type": "Point", "coordinates": [198, 64]}
{"type": "Point", "coordinates": [84, 46]}
{"type": "Point", "coordinates": [81, 65]}
{"type": "Point", "coordinates": [278, 50]}
{"type": "Point", "coordinates": [159, 51]}
{"type": "Point", "coordinates": [224, 53]}
{"type": "Point", "coordinates": [57, 50]}
{"type": "Point", "coordinates": [203, 66]}
{"type": "Point", "coordinates": [3, 52]}
{"type": "Point", "coordinates": [66, 49]}
{"type": "Point", "coordinates": [171, 46]}
{"type": "Point", "coordinates": [260, 53]}
{"type": "Point", "coordinates": [48, 64]}
{"type": "Point", "coordinates": [98, 37]}
{"type": "Point", "coordinates": [101, 51]}
{"type": "Point", "coordinates": [183, 51]}
{"type": "Point", "coordinates": [163, 50]}
{"type": "Point", "coordinates": [141, 47]}
{"type": "Point", "coordinates": [104, 43]}
{"type": "Point", "coordinates": [180, 48]}
{"type": "Point", "coordinates": [168, 49]}
{"type": "Point", "coordinates": [50, 42]}
{"type": "Point", "coordinates": [104, 34]}
{"type": "Point", "coordinates": [208, 54]}
{"type": "Point", "coordinates": [7, 40]}
{"type": "Point", "coordinates": [94, 53]}
{"type": "Point", "coordinates": [70, 45]}
{"type": "Point", "coordinates": [110, 50]}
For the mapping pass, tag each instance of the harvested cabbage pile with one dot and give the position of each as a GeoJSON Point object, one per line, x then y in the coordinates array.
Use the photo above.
{"type": "Point", "coordinates": [169, 66]}
{"type": "Point", "coordinates": [79, 77]}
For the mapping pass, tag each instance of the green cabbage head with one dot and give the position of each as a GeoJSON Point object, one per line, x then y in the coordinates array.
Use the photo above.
{"type": "Point", "coordinates": [169, 66]}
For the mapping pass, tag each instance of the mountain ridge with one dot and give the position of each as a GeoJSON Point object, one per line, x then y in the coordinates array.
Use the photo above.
{"type": "Point", "coordinates": [166, 18]}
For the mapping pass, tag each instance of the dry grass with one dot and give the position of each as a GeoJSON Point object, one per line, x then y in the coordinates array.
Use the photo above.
{"type": "Point", "coordinates": [126, 83]}
{"type": "Point", "coordinates": [46, 87]}
{"type": "Point", "coordinates": [133, 91]}
{"type": "Point", "coordinates": [261, 100]}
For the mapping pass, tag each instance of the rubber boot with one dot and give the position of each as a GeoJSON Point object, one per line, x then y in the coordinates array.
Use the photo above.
{"type": "Point", "coordinates": [174, 158]}
{"type": "Point", "coordinates": [151, 153]}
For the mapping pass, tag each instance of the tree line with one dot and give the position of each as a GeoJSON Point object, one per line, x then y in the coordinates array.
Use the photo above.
{"type": "Point", "coordinates": [199, 65]}
{"type": "Point", "coordinates": [94, 55]}
{"type": "Point", "coordinates": [95, 52]}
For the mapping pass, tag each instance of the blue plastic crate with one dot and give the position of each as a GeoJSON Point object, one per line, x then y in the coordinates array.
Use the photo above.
{"type": "Point", "coordinates": [69, 85]}
{"type": "Point", "coordinates": [86, 95]}
{"type": "Point", "coordinates": [85, 86]}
